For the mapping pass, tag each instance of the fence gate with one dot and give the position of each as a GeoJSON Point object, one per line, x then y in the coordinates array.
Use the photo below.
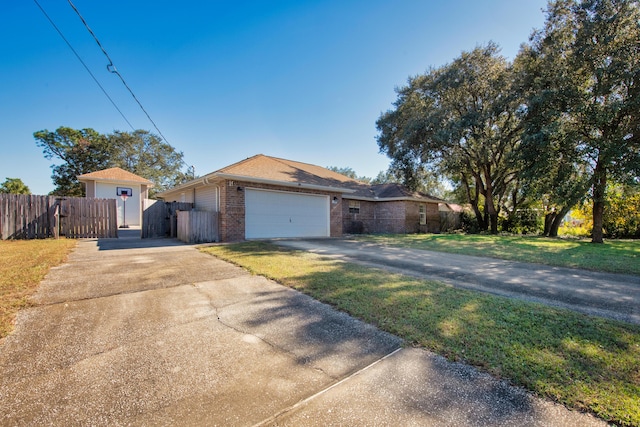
{"type": "Point", "coordinates": [159, 219]}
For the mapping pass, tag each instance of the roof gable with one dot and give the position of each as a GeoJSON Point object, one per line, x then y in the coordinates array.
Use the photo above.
{"type": "Point", "coordinates": [273, 168]}
{"type": "Point", "coordinates": [114, 174]}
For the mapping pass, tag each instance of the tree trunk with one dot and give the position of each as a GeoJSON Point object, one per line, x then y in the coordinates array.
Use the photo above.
{"type": "Point", "coordinates": [482, 221]}
{"type": "Point", "coordinates": [493, 220]}
{"type": "Point", "coordinates": [490, 207]}
{"type": "Point", "coordinates": [473, 201]}
{"type": "Point", "coordinates": [599, 190]}
{"type": "Point", "coordinates": [548, 222]}
{"type": "Point", "coordinates": [555, 224]}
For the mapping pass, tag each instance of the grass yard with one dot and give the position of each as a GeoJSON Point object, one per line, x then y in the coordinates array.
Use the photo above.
{"type": "Point", "coordinates": [23, 265]}
{"type": "Point", "coordinates": [586, 363]}
{"type": "Point", "coordinates": [614, 256]}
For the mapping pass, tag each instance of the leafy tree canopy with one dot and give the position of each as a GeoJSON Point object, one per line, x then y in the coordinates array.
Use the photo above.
{"type": "Point", "coordinates": [14, 186]}
{"type": "Point", "coordinates": [583, 98]}
{"type": "Point", "coordinates": [84, 151]}
{"type": "Point", "coordinates": [461, 121]}
{"type": "Point", "coordinates": [148, 156]}
{"type": "Point", "coordinates": [347, 171]}
{"type": "Point", "coordinates": [78, 151]}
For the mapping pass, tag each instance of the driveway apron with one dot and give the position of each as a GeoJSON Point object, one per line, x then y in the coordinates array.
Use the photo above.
{"type": "Point", "coordinates": [153, 332]}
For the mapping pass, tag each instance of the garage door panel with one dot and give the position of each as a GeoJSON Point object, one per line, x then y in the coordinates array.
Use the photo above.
{"type": "Point", "coordinates": [272, 214]}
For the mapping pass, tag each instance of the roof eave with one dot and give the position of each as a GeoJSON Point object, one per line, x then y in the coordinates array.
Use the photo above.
{"type": "Point", "coordinates": [284, 183]}
{"type": "Point", "coordinates": [123, 181]}
{"type": "Point", "coordinates": [391, 199]}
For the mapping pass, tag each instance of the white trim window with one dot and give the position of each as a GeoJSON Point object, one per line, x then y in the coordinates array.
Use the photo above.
{"type": "Point", "coordinates": [423, 214]}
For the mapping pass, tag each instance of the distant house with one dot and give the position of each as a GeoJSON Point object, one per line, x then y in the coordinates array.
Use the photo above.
{"type": "Point", "coordinates": [268, 197]}
{"type": "Point", "coordinates": [116, 183]}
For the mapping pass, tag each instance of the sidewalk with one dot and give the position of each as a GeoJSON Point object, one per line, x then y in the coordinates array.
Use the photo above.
{"type": "Point", "coordinates": [153, 332]}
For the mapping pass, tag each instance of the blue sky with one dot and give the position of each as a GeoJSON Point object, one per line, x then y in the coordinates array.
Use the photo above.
{"type": "Point", "coordinates": [223, 81]}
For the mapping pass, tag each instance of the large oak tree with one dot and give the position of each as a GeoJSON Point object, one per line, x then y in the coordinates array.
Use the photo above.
{"type": "Point", "coordinates": [461, 120]}
{"type": "Point", "coordinates": [583, 109]}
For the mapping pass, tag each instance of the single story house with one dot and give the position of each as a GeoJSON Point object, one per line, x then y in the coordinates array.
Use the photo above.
{"type": "Point", "coordinates": [129, 190]}
{"type": "Point", "coordinates": [269, 197]}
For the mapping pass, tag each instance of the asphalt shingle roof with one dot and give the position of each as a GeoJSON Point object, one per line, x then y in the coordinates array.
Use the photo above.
{"type": "Point", "coordinates": [261, 167]}
{"type": "Point", "coordinates": [114, 174]}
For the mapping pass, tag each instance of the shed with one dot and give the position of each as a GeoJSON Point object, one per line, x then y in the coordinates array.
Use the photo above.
{"type": "Point", "coordinates": [119, 184]}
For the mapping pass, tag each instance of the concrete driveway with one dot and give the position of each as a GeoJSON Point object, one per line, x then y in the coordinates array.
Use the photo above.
{"type": "Point", "coordinates": [153, 332]}
{"type": "Point", "coordinates": [615, 296]}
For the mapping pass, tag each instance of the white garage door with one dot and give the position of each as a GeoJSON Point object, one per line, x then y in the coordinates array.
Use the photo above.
{"type": "Point", "coordinates": [280, 214]}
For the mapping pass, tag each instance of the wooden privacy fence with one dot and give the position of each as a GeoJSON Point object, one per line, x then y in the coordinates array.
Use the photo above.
{"type": "Point", "coordinates": [40, 217]}
{"type": "Point", "coordinates": [450, 221]}
{"type": "Point", "coordinates": [197, 226]}
{"type": "Point", "coordinates": [88, 218]}
{"type": "Point", "coordinates": [159, 219]}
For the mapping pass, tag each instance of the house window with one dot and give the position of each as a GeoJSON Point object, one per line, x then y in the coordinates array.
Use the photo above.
{"type": "Point", "coordinates": [423, 214]}
{"type": "Point", "coordinates": [354, 206]}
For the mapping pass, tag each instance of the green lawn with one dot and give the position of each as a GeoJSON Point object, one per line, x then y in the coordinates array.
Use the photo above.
{"type": "Point", "coordinates": [614, 256]}
{"type": "Point", "coordinates": [584, 362]}
{"type": "Point", "coordinates": [23, 265]}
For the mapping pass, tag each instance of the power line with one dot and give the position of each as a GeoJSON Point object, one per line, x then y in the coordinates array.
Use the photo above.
{"type": "Point", "coordinates": [112, 68]}
{"type": "Point", "coordinates": [83, 64]}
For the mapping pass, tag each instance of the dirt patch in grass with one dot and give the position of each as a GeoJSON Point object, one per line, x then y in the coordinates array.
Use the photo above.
{"type": "Point", "coordinates": [23, 265]}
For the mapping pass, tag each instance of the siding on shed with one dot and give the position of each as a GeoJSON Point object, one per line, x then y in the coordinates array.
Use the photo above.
{"type": "Point", "coordinates": [105, 190]}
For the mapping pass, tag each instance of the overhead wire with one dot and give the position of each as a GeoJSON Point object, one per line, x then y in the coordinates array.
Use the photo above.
{"type": "Point", "coordinates": [83, 64]}
{"type": "Point", "coordinates": [112, 68]}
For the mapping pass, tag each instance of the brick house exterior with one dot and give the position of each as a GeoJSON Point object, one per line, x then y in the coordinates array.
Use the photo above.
{"type": "Point", "coordinates": [348, 206]}
{"type": "Point", "coordinates": [232, 208]}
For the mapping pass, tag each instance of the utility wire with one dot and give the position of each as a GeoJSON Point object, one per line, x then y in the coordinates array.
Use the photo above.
{"type": "Point", "coordinates": [83, 64]}
{"type": "Point", "coordinates": [112, 68]}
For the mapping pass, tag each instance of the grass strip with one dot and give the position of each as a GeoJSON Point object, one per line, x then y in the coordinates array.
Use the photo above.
{"type": "Point", "coordinates": [23, 265]}
{"type": "Point", "coordinates": [613, 256]}
{"type": "Point", "coordinates": [584, 362]}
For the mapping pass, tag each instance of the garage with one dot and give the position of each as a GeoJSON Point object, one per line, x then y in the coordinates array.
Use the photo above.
{"type": "Point", "coordinates": [271, 214]}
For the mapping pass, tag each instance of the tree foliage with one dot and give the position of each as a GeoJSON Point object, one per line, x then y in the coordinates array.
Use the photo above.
{"type": "Point", "coordinates": [427, 181]}
{"type": "Point", "coordinates": [349, 172]}
{"type": "Point", "coordinates": [14, 186]}
{"type": "Point", "coordinates": [582, 77]}
{"type": "Point", "coordinates": [79, 151]}
{"type": "Point", "coordinates": [622, 211]}
{"type": "Point", "coordinates": [84, 151]}
{"type": "Point", "coordinates": [148, 156]}
{"type": "Point", "coordinates": [460, 120]}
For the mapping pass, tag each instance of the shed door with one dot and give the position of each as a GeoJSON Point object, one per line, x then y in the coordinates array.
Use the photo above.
{"type": "Point", "coordinates": [270, 214]}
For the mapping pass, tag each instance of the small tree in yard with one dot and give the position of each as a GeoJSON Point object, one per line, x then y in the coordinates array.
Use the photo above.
{"type": "Point", "coordinates": [14, 186]}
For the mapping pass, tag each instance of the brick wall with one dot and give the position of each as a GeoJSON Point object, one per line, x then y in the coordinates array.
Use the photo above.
{"type": "Point", "coordinates": [335, 215]}
{"type": "Point", "coordinates": [393, 217]}
{"type": "Point", "coordinates": [362, 222]}
{"type": "Point", "coordinates": [231, 212]}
